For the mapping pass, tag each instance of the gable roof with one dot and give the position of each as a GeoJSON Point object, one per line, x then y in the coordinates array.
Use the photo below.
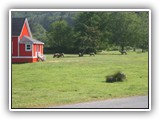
{"type": "Point", "coordinates": [17, 24]}
{"type": "Point", "coordinates": [26, 39]}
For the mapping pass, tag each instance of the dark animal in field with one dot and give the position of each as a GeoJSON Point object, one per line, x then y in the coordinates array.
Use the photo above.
{"type": "Point", "coordinates": [117, 77]}
{"type": "Point", "coordinates": [92, 54]}
{"type": "Point", "coordinates": [123, 52]}
{"type": "Point", "coordinates": [58, 55]}
{"type": "Point", "coordinates": [80, 54]}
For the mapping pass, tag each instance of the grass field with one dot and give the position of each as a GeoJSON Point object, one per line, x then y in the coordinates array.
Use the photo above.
{"type": "Point", "coordinates": [74, 79]}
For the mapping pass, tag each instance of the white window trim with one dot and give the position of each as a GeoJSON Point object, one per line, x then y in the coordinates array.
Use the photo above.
{"type": "Point", "coordinates": [28, 49]}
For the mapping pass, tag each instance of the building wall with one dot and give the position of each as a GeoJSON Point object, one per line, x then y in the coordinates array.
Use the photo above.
{"type": "Point", "coordinates": [34, 49]}
{"type": "Point", "coordinates": [42, 49]}
{"type": "Point", "coordinates": [23, 52]}
{"type": "Point", "coordinates": [37, 48]}
{"type": "Point", "coordinates": [24, 60]}
{"type": "Point", "coordinates": [24, 31]}
{"type": "Point", "coordinates": [14, 46]}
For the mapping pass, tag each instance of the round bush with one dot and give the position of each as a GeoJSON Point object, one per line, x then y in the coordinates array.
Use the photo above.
{"type": "Point", "coordinates": [117, 77]}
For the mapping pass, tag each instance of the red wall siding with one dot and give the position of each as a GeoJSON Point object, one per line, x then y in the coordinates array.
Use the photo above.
{"type": "Point", "coordinates": [24, 31]}
{"type": "Point", "coordinates": [22, 51]}
{"type": "Point", "coordinates": [34, 50]}
{"type": "Point", "coordinates": [14, 46]}
{"type": "Point", "coordinates": [24, 60]}
{"type": "Point", "coordinates": [29, 53]}
{"type": "Point", "coordinates": [41, 48]}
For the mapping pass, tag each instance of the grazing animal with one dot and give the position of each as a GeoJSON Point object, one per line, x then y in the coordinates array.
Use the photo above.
{"type": "Point", "coordinates": [92, 54]}
{"type": "Point", "coordinates": [80, 55]}
{"type": "Point", "coordinates": [58, 55]}
{"type": "Point", "coordinates": [123, 52]}
{"type": "Point", "coordinates": [117, 77]}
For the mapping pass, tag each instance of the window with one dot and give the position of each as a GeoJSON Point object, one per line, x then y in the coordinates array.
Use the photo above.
{"type": "Point", "coordinates": [28, 47]}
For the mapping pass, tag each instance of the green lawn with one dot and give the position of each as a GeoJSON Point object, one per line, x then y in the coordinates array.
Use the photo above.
{"type": "Point", "coordinates": [74, 79]}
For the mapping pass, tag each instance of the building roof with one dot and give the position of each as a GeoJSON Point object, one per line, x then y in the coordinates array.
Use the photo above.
{"type": "Point", "coordinates": [26, 39]}
{"type": "Point", "coordinates": [17, 24]}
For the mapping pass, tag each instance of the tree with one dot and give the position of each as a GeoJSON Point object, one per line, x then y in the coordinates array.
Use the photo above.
{"type": "Point", "coordinates": [87, 31]}
{"type": "Point", "coordinates": [143, 31]}
{"type": "Point", "coordinates": [60, 36]}
{"type": "Point", "coordinates": [122, 27]}
{"type": "Point", "coordinates": [39, 32]}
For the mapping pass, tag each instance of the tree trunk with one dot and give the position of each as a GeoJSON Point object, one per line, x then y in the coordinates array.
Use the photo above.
{"type": "Point", "coordinates": [134, 49]}
{"type": "Point", "coordinates": [122, 49]}
{"type": "Point", "coordinates": [84, 50]}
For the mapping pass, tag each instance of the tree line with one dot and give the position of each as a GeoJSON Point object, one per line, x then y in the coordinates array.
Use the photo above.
{"type": "Point", "coordinates": [73, 32]}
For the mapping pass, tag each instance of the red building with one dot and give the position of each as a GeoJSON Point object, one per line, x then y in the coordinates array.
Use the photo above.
{"type": "Point", "coordinates": [24, 47]}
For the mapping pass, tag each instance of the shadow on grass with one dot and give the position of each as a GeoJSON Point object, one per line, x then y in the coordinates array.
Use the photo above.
{"type": "Point", "coordinates": [104, 81]}
{"type": "Point", "coordinates": [76, 56]}
{"type": "Point", "coordinates": [71, 56]}
{"type": "Point", "coordinates": [110, 54]}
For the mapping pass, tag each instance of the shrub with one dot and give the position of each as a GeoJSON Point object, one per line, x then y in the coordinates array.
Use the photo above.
{"type": "Point", "coordinates": [117, 77]}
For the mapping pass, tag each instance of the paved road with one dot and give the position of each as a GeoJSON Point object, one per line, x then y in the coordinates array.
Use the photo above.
{"type": "Point", "coordinates": [130, 102]}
